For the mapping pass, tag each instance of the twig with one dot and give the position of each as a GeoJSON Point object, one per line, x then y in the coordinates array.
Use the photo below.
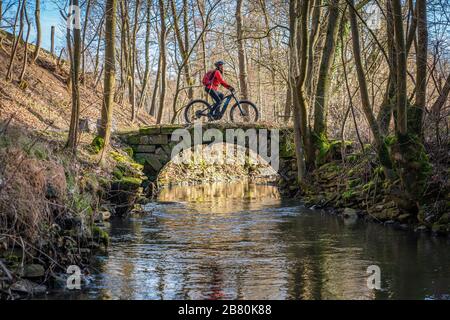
{"type": "Point", "coordinates": [6, 271]}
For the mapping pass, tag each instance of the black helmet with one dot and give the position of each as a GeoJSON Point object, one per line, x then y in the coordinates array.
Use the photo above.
{"type": "Point", "coordinates": [219, 63]}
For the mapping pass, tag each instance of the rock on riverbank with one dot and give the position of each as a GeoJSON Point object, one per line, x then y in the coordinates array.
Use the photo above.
{"type": "Point", "coordinates": [356, 182]}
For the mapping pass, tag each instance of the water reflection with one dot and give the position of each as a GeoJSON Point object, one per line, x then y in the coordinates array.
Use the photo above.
{"type": "Point", "coordinates": [223, 197]}
{"type": "Point", "coordinates": [241, 241]}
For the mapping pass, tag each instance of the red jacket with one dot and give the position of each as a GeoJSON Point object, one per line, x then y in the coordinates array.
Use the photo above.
{"type": "Point", "coordinates": [217, 80]}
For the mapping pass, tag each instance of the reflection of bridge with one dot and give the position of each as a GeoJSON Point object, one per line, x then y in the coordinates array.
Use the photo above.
{"type": "Point", "coordinates": [153, 145]}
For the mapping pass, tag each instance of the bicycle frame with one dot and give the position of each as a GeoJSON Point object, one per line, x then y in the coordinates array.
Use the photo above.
{"type": "Point", "coordinates": [227, 100]}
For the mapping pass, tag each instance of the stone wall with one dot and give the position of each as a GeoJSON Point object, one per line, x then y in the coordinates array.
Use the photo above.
{"type": "Point", "coordinates": [152, 146]}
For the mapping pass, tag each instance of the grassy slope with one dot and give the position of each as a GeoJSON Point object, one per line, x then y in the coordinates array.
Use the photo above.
{"type": "Point", "coordinates": [44, 190]}
{"type": "Point", "coordinates": [43, 100]}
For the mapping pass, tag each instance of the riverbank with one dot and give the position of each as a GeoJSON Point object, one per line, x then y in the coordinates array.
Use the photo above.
{"type": "Point", "coordinates": [54, 205]}
{"type": "Point", "coordinates": [352, 184]}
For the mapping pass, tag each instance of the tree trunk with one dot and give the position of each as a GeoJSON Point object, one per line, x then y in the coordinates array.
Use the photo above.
{"type": "Point", "coordinates": [97, 55]}
{"type": "Point", "coordinates": [133, 62]}
{"type": "Point", "coordinates": [110, 72]}
{"type": "Point", "coordinates": [25, 56]}
{"type": "Point", "coordinates": [83, 40]}
{"type": "Point", "coordinates": [440, 101]}
{"type": "Point", "coordinates": [52, 40]}
{"type": "Point", "coordinates": [75, 74]}
{"type": "Point", "coordinates": [186, 48]}
{"type": "Point", "coordinates": [20, 11]}
{"type": "Point", "coordinates": [315, 17]}
{"type": "Point", "coordinates": [147, 57]}
{"type": "Point", "coordinates": [182, 45]}
{"type": "Point", "coordinates": [37, 17]}
{"type": "Point", "coordinates": [365, 101]}
{"type": "Point", "coordinates": [324, 75]}
{"type": "Point", "coordinates": [155, 89]}
{"type": "Point", "coordinates": [271, 57]}
{"type": "Point", "coordinates": [421, 67]}
{"type": "Point", "coordinates": [241, 52]}
{"type": "Point", "coordinates": [401, 67]}
{"type": "Point", "coordinates": [162, 50]}
{"type": "Point", "coordinates": [1, 12]}
{"type": "Point", "coordinates": [201, 10]}
{"type": "Point", "coordinates": [288, 103]}
{"type": "Point", "coordinates": [298, 14]}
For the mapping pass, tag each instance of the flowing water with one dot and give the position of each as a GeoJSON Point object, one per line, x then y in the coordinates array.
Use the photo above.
{"type": "Point", "coordinates": [242, 241]}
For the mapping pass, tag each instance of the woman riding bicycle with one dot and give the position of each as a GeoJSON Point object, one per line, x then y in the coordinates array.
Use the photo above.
{"type": "Point", "coordinates": [211, 80]}
{"type": "Point", "coordinates": [198, 109]}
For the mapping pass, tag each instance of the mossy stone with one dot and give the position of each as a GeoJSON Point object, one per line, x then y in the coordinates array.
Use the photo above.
{"type": "Point", "coordinates": [150, 130]}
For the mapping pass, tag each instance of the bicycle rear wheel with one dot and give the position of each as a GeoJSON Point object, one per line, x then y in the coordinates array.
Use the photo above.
{"type": "Point", "coordinates": [247, 112]}
{"type": "Point", "coordinates": [197, 110]}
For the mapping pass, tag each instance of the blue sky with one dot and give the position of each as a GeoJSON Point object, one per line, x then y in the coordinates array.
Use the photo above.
{"type": "Point", "coordinates": [49, 16]}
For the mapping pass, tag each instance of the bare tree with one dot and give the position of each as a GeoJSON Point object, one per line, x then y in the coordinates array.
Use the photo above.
{"type": "Point", "coordinates": [75, 60]}
{"type": "Point", "coordinates": [241, 52]}
{"type": "Point", "coordinates": [163, 57]}
{"type": "Point", "coordinates": [37, 17]}
{"type": "Point", "coordinates": [324, 72]}
{"type": "Point", "coordinates": [110, 71]}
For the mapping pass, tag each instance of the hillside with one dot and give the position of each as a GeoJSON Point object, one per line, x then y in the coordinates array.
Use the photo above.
{"type": "Point", "coordinates": [43, 100]}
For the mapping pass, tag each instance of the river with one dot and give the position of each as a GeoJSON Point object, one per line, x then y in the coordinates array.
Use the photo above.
{"type": "Point", "coordinates": [243, 241]}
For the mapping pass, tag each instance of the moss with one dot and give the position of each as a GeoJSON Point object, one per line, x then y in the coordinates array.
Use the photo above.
{"type": "Point", "coordinates": [384, 156]}
{"type": "Point", "coordinates": [130, 181]}
{"type": "Point", "coordinates": [347, 195]}
{"type": "Point", "coordinates": [150, 130]}
{"type": "Point", "coordinates": [368, 186]}
{"type": "Point", "coordinates": [445, 218]}
{"type": "Point", "coordinates": [322, 146]}
{"type": "Point", "coordinates": [100, 235]}
{"type": "Point", "coordinates": [125, 160]}
{"type": "Point", "coordinates": [367, 147]}
{"type": "Point", "coordinates": [287, 146]}
{"type": "Point", "coordinates": [354, 182]}
{"type": "Point", "coordinates": [129, 151]}
{"type": "Point", "coordinates": [412, 163]}
{"type": "Point", "coordinates": [117, 173]}
{"type": "Point", "coordinates": [390, 140]}
{"type": "Point", "coordinates": [378, 171]}
{"type": "Point", "coordinates": [353, 157]}
{"type": "Point", "coordinates": [171, 128]}
{"type": "Point", "coordinates": [97, 144]}
{"type": "Point", "coordinates": [134, 139]}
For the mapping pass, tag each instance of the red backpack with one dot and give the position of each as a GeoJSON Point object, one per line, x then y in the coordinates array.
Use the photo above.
{"type": "Point", "coordinates": [208, 78]}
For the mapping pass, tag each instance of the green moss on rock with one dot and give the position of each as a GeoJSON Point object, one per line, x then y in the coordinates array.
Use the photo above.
{"type": "Point", "coordinates": [100, 235]}
{"type": "Point", "coordinates": [97, 144]}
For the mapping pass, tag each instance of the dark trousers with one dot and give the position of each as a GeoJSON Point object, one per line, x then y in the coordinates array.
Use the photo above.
{"type": "Point", "coordinates": [216, 95]}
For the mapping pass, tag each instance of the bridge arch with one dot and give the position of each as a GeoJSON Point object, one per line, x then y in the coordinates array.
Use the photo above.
{"type": "Point", "coordinates": [155, 146]}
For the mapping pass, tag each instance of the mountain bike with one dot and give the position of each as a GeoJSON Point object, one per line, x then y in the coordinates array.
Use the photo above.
{"type": "Point", "coordinates": [241, 111]}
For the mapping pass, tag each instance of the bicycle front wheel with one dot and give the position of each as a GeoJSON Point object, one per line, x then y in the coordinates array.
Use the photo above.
{"type": "Point", "coordinates": [245, 111]}
{"type": "Point", "coordinates": [196, 110]}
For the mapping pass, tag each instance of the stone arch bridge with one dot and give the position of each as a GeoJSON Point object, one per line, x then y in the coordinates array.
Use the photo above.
{"type": "Point", "coordinates": [153, 146]}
